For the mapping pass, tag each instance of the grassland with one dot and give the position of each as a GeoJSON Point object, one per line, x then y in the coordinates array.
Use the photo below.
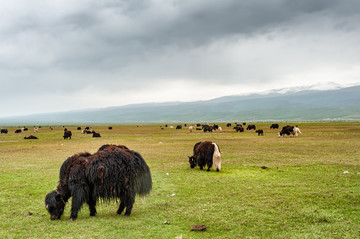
{"type": "Point", "coordinates": [310, 187]}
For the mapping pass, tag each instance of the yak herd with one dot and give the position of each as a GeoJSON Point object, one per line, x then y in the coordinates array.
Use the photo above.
{"type": "Point", "coordinates": [286, 130]}
{"type": "Point", "coordinates": [115, 172]}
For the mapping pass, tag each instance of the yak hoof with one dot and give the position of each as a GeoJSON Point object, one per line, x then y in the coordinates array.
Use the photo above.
{"type": "Point", "coordinates": [125, 216]}
{"type": "Point", "coordinates": [72, 219]}
{"type": "Point", "coordinates": [217, 170]}
{"type": "Point", "coordinates": [208, 169]}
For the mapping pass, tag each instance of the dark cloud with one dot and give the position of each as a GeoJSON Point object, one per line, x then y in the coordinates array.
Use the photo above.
{"type": "Point", "coordinates": [118, 47]}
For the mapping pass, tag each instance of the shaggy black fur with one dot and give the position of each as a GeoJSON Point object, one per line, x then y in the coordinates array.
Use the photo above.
{"type": "Point", "coordinates": [108, 146]}
{"type": "Point", "coordinates": [202, 155]}
{"type": "Point", "coordinates": [111, 173]}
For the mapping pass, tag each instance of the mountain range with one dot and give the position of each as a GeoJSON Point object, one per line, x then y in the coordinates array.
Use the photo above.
{"type": "Point", "coordinates": [304, 105]}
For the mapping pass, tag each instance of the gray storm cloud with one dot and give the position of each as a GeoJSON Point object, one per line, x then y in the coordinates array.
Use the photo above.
{"type": "Point", "coordinates": [120, 52]}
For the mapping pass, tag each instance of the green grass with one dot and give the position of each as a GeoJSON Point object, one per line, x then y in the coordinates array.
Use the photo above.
{"type": "Point", "coordinates": [303, 192]}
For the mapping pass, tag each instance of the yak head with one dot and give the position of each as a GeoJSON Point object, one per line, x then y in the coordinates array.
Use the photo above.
{"type": "Point", "coordinates": [192, 161]}
{"type": "Point", "coordinates": [54, 204]}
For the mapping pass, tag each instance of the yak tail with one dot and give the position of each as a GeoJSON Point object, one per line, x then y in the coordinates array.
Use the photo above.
{"type": "Point", "coordinates": [143, 198]}
{"type": "Point", "coordinates": [142, 181]}
{"type": "Point", "coordinates": [216, 157]}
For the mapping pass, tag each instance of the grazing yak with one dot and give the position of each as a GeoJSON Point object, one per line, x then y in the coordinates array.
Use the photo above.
{"type": "Point", "coordinates": [207, 128]}
{"type": "Point", "coordinates": [67, 134]}
{"type": "Point", "coordinates": [96, 135]}
{"type": "Point", "coordinates": [290, 130]}
{"type": "Point", "coordinates": [274, 126]}
{"type": "Point", "coordinates": [206, 154]}
{"type": "Point", "coordinates": [31, 137]}
{"type": "Point", "coordinates": [110, 128]}
{"type": "Point", "coordinates": [18, 131]}
{"type": "Point", "coordinates": [112, 173]}
{"type": "Point", "coordinates": [4, 131]}
{"type": "Point", "coordinates": [239, 128]}
{"type": "Point", "coordinates": [251, 126]}
{"type": "Point", "coordinates": [287, 130]}
{"type": "Point", "coordinates": [260, 132]}
{"type": "Point", "coordinates": [179, 127]}
{"type": "Point", "coordinates": [228, 125]}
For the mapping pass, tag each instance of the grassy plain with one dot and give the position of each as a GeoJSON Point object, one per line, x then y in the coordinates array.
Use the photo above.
{"type": "Point", "coordinates": [310, 188]}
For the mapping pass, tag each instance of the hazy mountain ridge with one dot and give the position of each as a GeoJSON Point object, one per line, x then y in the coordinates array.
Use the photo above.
{"type": "Point", "coordinates": [305, 105]}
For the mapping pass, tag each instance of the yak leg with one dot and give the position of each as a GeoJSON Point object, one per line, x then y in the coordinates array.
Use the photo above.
{"type": "Point", "coordinates": [80, 195]}
{"type": "Point", "coordinates": [121, 208]}
{"type": "Point", "coordinates": [209, 164]}
{"type": "Point", "coordinates": [92, 206]}
{"type": "Point", "coordinates": [129, 202]}
{"type": "Point", "coordinates": [75, 207]}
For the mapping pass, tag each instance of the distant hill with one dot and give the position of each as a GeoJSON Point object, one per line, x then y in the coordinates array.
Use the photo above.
{"type": "Point", "coordinates": [306, 105]}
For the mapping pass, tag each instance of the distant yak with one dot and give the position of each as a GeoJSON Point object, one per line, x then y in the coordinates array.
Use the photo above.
{"type": "Point", "coordinates": [67, 134]}
{"type": "Point", "coordinates": [31, 137]}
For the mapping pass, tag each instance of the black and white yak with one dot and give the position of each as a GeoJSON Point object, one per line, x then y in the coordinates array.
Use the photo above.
{"type": "Point", "coordinates": [206, 154]}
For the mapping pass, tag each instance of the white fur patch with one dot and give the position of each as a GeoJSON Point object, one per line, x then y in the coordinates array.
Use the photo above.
{"type": "Point", "coordinates": [216, 157]}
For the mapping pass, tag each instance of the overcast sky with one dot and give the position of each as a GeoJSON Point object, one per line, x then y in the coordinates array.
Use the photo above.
{"type": "Point", "coordinates": [63, 55]}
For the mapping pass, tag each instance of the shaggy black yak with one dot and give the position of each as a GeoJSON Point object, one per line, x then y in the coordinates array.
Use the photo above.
{"type": "Point", "coordinates": [111, 173]}
{"type": "Point", "coordinates": [206, 153]}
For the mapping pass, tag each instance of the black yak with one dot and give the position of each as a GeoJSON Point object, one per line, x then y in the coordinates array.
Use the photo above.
{"type": "Point", "coordinates": [251, 126]}
{"type": "Point", "coordinates": [4, 131]}
{"type": "Point", "coordinates": [114, 172]}
{"type": "Point", "coordinates": [239, 128]}
{"type": "Point", "coordinates": [287, 130]}
{"type": "Point", "coordinates": [274, 126]}
{"type": "Point", "coordinates": [31, 137]}
{"type": "Point", "coordinates": [67, 134]}
{"type": "Point", "coordinates": [260, 132]}
{"type": "Point", "coordinates": [207, 128]}
{"type": "Point", "coordinates": [206, 154]}
{"type": "Point", "coordinates": [96, 135]}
